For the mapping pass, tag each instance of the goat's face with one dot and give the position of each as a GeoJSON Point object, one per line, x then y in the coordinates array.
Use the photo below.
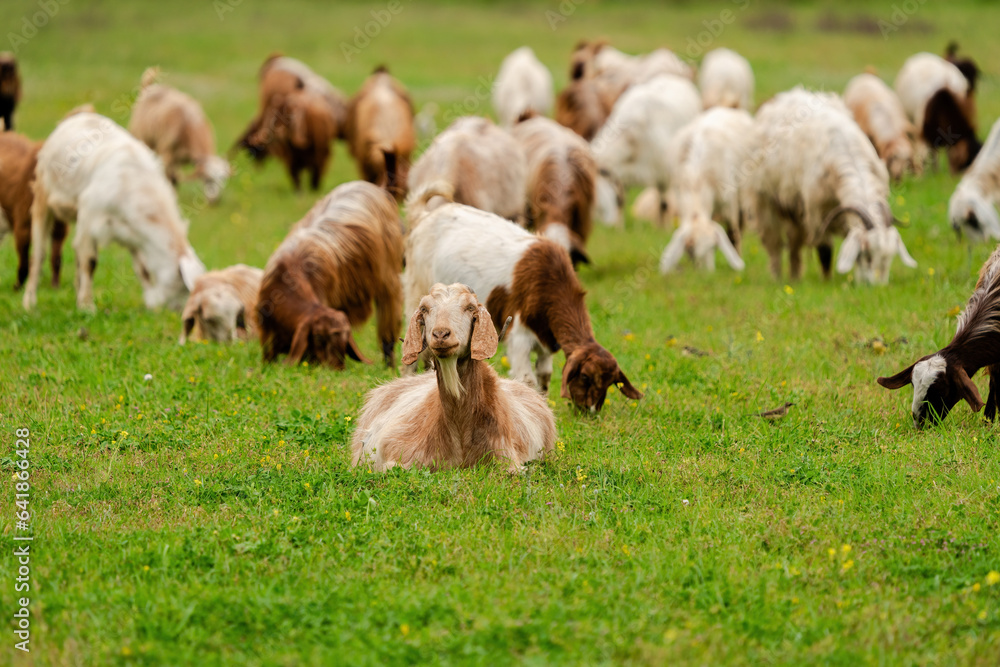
{"type": "Point", "coordinates": [973, 213]}
{"type": "Point", "coordinates": [588, 373]}
{"type": "Point", "coordinates": [218, 312]}
{"type": "Point", "coordinates": [870, 250]}
{"type": "Point", "coordinates": [324, 335]}
{"type": "Point", "coordinates": [452, 324]}
{"type": "Point", "coordinates": [937, 386]}
{"type": "Point", "coordinates": [214, 171]}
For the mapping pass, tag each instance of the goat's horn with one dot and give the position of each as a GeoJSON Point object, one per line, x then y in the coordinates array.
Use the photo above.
{"type": "Point", "coordinates": [837, 212]}
{"type": "Point", "coordinates": [503, 331]}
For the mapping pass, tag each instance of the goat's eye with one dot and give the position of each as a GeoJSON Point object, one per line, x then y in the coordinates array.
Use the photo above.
{"type": "Point", "coordinates": [471, 308]}
{"type": "Point", "coordinates": [423, 310]}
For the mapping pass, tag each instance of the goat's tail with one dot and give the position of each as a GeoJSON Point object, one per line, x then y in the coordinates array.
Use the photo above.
{"type": "Point", "coordinates": [426, 198]}
{"type": "Point", "coordinates": [149, 77]}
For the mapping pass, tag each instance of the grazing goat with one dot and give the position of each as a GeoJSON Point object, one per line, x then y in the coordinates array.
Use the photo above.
{"type": "Point", "coordinates": [972, 205]}
{"type": "Point", "coordinates": [346, 252]}
{"type": "Point", "coordinates": [946, 126]}
{"type": "Point", "coordinates": [300, 115]}
{"type": "Point", "coordinates": [523, 85]}
{"type": "Point", "coordinates": [380, 132]}
{"type": "Point", "coordinates": [707, 183]}
{"type": "Point", "coordinates": [942, 379]}
{"type": "Point", "coordinates": [632, 148]}
{"type": "Point", "coordinates": [174, 125]}
{"type": "Point", "coordinates": [726, 80]}
{"type": "Point", "coordinates": [463, 414]}
{"type": "Point", "coordinates": [222, 305]}
{"type": "Point", "coordinates": [920, 77]}
{"type": "Point", "coordinates": [93, 171]}
{"type": "Point", "coordinates": [18, 156]}
{"type": "Point", "coordinates": [481, 162]}
{"type": "Point", "coordinates": [561, 175]}
{"type": "Point", "coordinates": [526, 277]}
{"type": "Point", "coordinates": [879, 113]}
{"type": "Point", "coordinates": [814, 167]}
{"type": "Point", "coordinates": [10, 89]}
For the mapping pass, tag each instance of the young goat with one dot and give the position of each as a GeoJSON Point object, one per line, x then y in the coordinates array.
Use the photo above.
{"type": "Point", "coordinates": [525, 277]}
{"type": "Point", "coordinates": [220, 303]}
{"type": "Point", "coordinates": [174, 125]}
{"type": "Point", "coordinates": [561, 176]}
{"type": "Point", "coordinates": [320, 282]}
{"type": "Point", "coordinates": [972, 207]}
{"type": "Point", "coordinates": [461, 415]}
{"type": "Point", "coordinates": [483, 164]}
{"type": "Point", "coordinates": [18, 156]}
{"type": "Point", "coordinates": [942, 379]}
{"type": "Point", "coordinates": [380, 132]}
{"type": "Point", "coordinates": [94, 172]}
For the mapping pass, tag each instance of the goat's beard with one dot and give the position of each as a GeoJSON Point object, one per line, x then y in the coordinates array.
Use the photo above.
{"type": "Point", "coordinates": [447, 370]}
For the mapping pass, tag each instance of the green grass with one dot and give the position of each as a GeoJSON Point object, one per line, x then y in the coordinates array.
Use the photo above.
{"type": "Point", "coordinates": [211, 516]}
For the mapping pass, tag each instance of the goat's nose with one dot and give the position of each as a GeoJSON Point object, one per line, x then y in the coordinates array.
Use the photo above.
{"type": "Point", "coordinates": [441, 333]}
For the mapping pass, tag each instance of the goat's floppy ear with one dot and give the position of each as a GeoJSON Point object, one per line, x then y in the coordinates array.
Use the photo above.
{"type": "Point", "coordinates": [484, 335]}
{"type": "Point", "coordinates": [627, 389]}
{"type": "Point", "coordinates": [900, 379]}
{"type": "Point", "coordinates": [904, 255]}
{"type": "Point", "coordinates": [727, 248]}
{"type": "Point", "coordinates": [353, 351]}
{"type": "Point", "coordinates": [967, 389]}
{"type": "Point", "coordinates": [674, 250]}
{"type": "Point", "coordinates": [414, 342]}
{"type": "Point", "coordinates": [849, 251]}
{"type": "Point", "coordinates": [300, 343]}
{"type": "Point", "coordinates": [190, 310]}
{"type": "Point", "coordinates": [569, 373]}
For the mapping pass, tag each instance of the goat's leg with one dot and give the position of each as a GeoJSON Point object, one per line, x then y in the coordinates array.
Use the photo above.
{"type": "Point", "coordinates": [58, 238]}
{"type": "Point", "coordinates": [520, 342]}
{"type": "Point", "coordinates": [991, 400]}
{"type": "Point", "coordinates": [387, 314]}
{"type": "Point", "coordinates": [825, 252]}
{"type": "Point", "coordinates": [41, 229]}
{"type": "Point", "coordinates": [86, 265]}
{"type": "Point", "coordinates": [543, 368]}
{"type": "Point", "coordinates": [770, 236]}
{"type": "Point", "coordinates": [796, 238]}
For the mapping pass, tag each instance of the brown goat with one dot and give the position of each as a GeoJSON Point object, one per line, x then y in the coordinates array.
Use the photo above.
{"type": "Point", "coordinates": [947, 126]}
{"type": "Point", "coordinates": [582, 107]}
{"type": "Point", "coordinates": [10, 89]}
{"type": "Point", "coordinates": [320, 282]}
{"type": "Point", "coordinates": [380, 132]}
{"type": "Point", "coordinates": [18, 156]}
{"type": "Point", "coordinates": [561, 177]}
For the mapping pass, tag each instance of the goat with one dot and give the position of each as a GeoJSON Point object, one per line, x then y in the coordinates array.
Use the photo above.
{"type": "Point", "coordinates": [583, 107]}
{"type": "Point", "coordinates": [93, 171]}
{"type": "Point", "coordinates": [523, 84]}
{"type": "Point", "coordinates": [345, 252]}
{"type": "Point", "coordinates": [483, 164]}
{"type": "Point", "coordinates": [174, 125]}
{"type": "Point", "coordinates": [946, 126]}
{"type": "Point", "coordinates": [706, 182]}
{"type": "Point", "coordinates": [920, 77]}
{"type": "Point", "coordinates": [972, 205]}
{"type": "Point", "coordinates": [220, 303]}
{"type": "Point", "coordinates": [380, 132]}
{"type": "Point", "coordinates": [300, 115]}
{"type": "Point", "coordinates": [970, 70]}
{"type": "Point", "coordinates": [18, 156]}
{"type": "Point", "coordinates": [561, 175]}
{"type": "Point", "coordinates": [879, 113]}
{"type": "Point", "coordinates": [632, 148]}
{"type": "Point", "coordinates": [526, 277]}
{"type": "Point", "coordinates": [942, 379]}
{"type": "Point", "coordinates": [10, 89]}
{"type": "Point", "coordinates": [726, 80]}
{"type": "Point", "coordinates": [462, 415]}
{"type": "Point", "coordinates": [813, 167]}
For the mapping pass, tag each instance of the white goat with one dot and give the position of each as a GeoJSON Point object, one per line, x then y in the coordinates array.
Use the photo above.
{"type": "Point", "coordinates": [707, 183]}
{"type": "Point", "coordinates": [815, 167]}
{"type": "Point", "coordinates": [523, 84]}
{"type": "Point", "coordinates": [972, 205]}
{"type": "Point", "coordinates": [174, 125]}
{"type": "Point", "coordinates": [726, 80]}
{"type": "Point", "coordinates": [223, 304]}
{"type": "Point", "coordinates": [632, 148]}
{"type": "Point", "coordinates": [483, 164]}
{"type": "Point", "coordinates": [881, 116]}
{"type": "Point", "coordinates": [461, 415]}
{"type": "Point", "coordinates": [91, 170]}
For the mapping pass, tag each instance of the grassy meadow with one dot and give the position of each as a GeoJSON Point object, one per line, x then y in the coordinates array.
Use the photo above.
{"type": "Point", "coordinates": [210, 515]}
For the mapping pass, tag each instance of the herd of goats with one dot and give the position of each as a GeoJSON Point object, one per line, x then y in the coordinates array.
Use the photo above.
{"type": "Point", "coordinates": [498, 216]}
